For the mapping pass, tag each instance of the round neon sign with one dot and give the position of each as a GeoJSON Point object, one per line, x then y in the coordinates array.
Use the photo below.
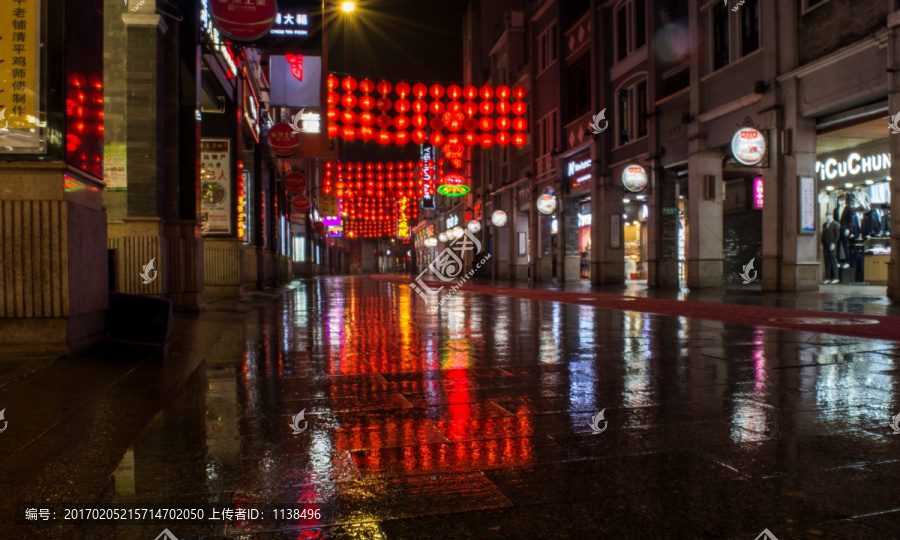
{"type": "Point", "coordinates": [634, 178]}
{"type": "Point", "coordinates": [498, 218]}
{"type": "Point", "coordinates": [748, 146]}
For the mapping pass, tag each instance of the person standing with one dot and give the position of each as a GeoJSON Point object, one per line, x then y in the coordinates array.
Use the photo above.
{"type": "Point", "coordinates": [831, 234]}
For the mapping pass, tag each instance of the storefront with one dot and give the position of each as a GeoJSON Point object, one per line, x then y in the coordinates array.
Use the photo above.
{"type": "Point", "coordinates": [852, 188]}
{"type": "Point", "coordinates": [635, 179]}
{"type": "Point", "coordinates": [578, 175]}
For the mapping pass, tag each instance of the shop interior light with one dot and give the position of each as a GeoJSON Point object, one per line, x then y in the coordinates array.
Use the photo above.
{"type": "Point", "coordinates": [640, 197]}
{"type": "Point", "coordinates": [443, 238]}
{"type": "Point", "coordinates": [626, 200]}
{"type": "Point", "coordinates": [829, 188]}
{"type": "Point", "coordinates": [870, 182]}
{"type": "Point", "coordinates": [848, 185]}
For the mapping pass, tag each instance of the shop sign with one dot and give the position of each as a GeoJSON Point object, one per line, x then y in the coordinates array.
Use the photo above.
{"type": "Point", "coordinates": [244, 20]}
{"type": "Point", "coordinates": [748, 146]}
{"type": "Point", "coordinates": [403, 218]}
{"type": "Point", "coordinates": [301, 203]}
{"type": "Point", "coordinates": [757, 193]}
{"type": "Point", "coordinates": [546, 203]}
{"type": "Point", "coordinates": [576, 171]}
{"type": "Point", "coordinates": [477, 210]}
{"type": "Point", "coordinates": [332, 221]}
{"type": "Point", "coordinates": [452, 221]}
{"type": "Point", "coordinates": [328, 205]}
{"type": "Point", "coordinates": [634, 178]}
{"type": "Point", "coordinates": [473, 225]}
{"type": "Point", "coordinates": [215, 186]}
{"type": "Point", "coordinates": [295, 182]}
{"type": "Point", "coordinates": [283, 140]}
{"type": "Point", "coordinates": [807, 205]}
{"type": "Point", "coordinates": [855, 164]}
{"type": "Point", "coordinates": [584, 220]}
{"type": "Point", "coordinates": [498, 218]}
{"type": "Point", "coordinates": [670, 211]}
{"type": "Point", "coordinates": [20, 65]}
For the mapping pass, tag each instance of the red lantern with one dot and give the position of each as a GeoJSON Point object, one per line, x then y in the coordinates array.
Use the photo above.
{"type": "Point", "coordinates": [470, 92]}
{"type": "Point", "coordinates": [402, 89]}
{"type": "Point", "coordinates": [503, 123]}
{"type": "Point", "coordinates": [331, 114]}
{"type": "Point", "coordinates": [436, 91]}
{"type": "Point", "coordinates": [383, 104]}
{"type": "Point", "coordinates": [436, 124]}
{"type": "Point", "coordinates": [519, 108]}
{"type": "Point", "coordinates": [383, 87]}
{"type": "Point", "coordinates": [519, 139]}
{"type": "Point", "coordinates": [419, 120]}
{"type": "Point", "coordinates": [436, 138]}
{"type": "Point", "coordinates": [366, 103]}
{"type": "Point", "coordinates": [348, 101]}
{"type": "Point", "coordinates": [366, 118]}
{"type": "Point", "coordinates": [504, 107]}
{"type": "Point", "coordinates": [348, 84]}
{"type": "Point", "coordinates": [365, 133]}
{"type": "Point", "coordinates": [401, 137]}
{"type": "Point", "coordinates": [332, 130]}
{"type": "Point", "coordinates": [454, 91]}
{"type": "Point", "coordinates": [383, 137]}
{"type": "Point", "coordinates": [437, 107]}
{"type": "Point", "coordinates": [348, 117]}
{"type": "Point", "coordinates": [470, 108]}
{"type": "Point", "coordinates": [402, 106]}
{"type": "Point", "coordinates": [518, 91]}
{"type": "Point", "coordinates": [401, 122]}
{"type": "Point", "coordinates": [502, 92]}
{"type": "Point", "coordinates": [486, 124]}
{"type": "Point", "coordinates": [486, 140]}
{"type": "Point", "coordinates": [332, 82]}
{"type": "Point", "coordinates": [383, 121]}
{"type": "Point", "coordinates": [486, 91]}
{"type": "Point", "coordinates": [520, 124]}
{"type": "Point", "coordinates": [332, 98]}
{"type": "Point", "coordinates": [454, 107]}
{"type": "Point", "coordinates": [419, 90]}
{"type": "Point", "coordinates": [366, 86]}
{"type": "Point", "coordinates": [486, 108]}
{"type": "Point", "coordinates": [419, 106]}
{"type": "Point", "coordinates": [470, 124]}
{"type": "Point", "coordinates": [471, 139]}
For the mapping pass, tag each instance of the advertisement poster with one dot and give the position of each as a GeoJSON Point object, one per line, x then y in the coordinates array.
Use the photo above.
{"type": "Point", "coordinates": [20, 67]}
{"type": "Point", "coordinates": [215, 186]}
{"type": "Point", "coordinates": [807, 205]}
{"type": "Point", "coordinates": [115, 170]}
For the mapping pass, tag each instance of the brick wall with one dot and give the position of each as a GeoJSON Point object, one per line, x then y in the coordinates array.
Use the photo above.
{"type": "Point", "coordinates": [742, 242]}
{"type": "Point", "coordinates": [836, 24]}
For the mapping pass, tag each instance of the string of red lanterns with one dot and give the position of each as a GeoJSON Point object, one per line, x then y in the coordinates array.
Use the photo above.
{"type": "Point", "coordinates": [348, 180]}
{"type": "Point", "coordinates": [418, 113]}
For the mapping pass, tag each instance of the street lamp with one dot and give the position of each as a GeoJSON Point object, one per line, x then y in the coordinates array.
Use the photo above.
{"type": "Point", "coordinates": [348, 6]}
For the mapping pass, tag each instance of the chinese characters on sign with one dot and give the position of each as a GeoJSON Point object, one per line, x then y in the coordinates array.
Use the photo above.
{"type": "Point", "coordinates": [757, 193]}
{"type": "Point", "coordinates": [748, 146]}
{"type": "Point", "coordinates": [20, 77]}
{"type": "Point", "coordinates": [403, 218]}
{"type": "Point", "coordinates": [215, 188]}
{"type": "Point", "coordinates": [291, 24]}
{"type": "Point", "coordinates": [807, 204]}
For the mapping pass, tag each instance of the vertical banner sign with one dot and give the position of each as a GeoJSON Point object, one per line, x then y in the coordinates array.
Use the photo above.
{"type": "Point", "coordinates": [758, 197]}
{"type": "Point", "coordinates": [403, 218]}
{"type": "Point", "coordinates": [328, 205]}
{"type": "Point", "coordinates": [215, 186]}
{"type": "Point", "coordinates": [20, 67]}
{"type": "Point", "coordinates": [615, 231]}
{"type": "Point", "coordinates": [807, 205]}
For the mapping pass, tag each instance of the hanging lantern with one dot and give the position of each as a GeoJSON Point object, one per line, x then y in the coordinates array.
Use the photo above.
{"type": "Point", "coordinates": [383, 121]}
{"type": "Point", "coordinates": [383, 87]}
{"type": "Point", "coordinates": [487, 140]}
{"type": "Point", "coordinates": [486, 108]}
{"type": "Point", "coordinates": [503, 123]}
{"type": "Point", "coordinates": [401, 122]}
{"type": "Point", "coordinates": [470, 108]}
{"type": "Point", "coordinates": [419, 121]}
{"type": "Point", "coordinates": [383, 104]}
{"type": "Point", "coordinates": [402, 89]}
{"type": "Point", "coordinates": [486, 124]}
{"type": "Point", "coordinates": [419, 106]}
{"type": "Point", "coordinates": [332, 98]}
{"type": "Point", "coordinates": [454, 91]}
{"type": "Point", "coordinates": [348, 101]}
{"type": "Point", "coordinates": [471, 139]}
{"type": "Point", "coordinates": [419, 90]}
{"type": "Point", "coordinates": [436, 138]}
{"type": "Point", "coordinates": [502, 92]}
{"type": "Point", "coordinates": [366, 102]}
{"type": "Point", "coordinates": [470, 124]}
{"type": "Point", "coordinates": [402, 106]}
{"type": "Point", "coordinates": [332, 82]}
{"type": "Point", "coordinates": [436, 91]}
{"type": "Point", "coordinates": [436, 108]}
{"type": "Point", "coordinates": [519, 139]}
{"type": "Point", "coordinates": [520, 124]}
{"type": "Point", "coordinates": [518, 91]}
{"type": "Point", "coordinates": [348, 117]}
{"type": "Point", "coordinates": [384, 137]}
{"type": "Point", "coordinates": [366, 86]}
{"type": "Point", "coordinates": [519, 108]}
{"type": "Point", "coordinates": [502, 138]}
{"type": "Point", "coordinates": [348, 84]}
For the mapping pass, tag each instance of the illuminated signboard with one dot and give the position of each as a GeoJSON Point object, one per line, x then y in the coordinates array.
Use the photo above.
{"type": "Point", "coordinates": [215, 186]}
{"type": "Point", "coordinates": [634, 178]}
{"type": "Point", "coordinates": [579, 171]}
{"type": "Point", "coordinates": [20, 65]}
{"type": "Point", "coordinates": [757, 193]}
{"type": "Point", "coordinates": [426, 155]}
{"type": "Point", "coordinates": [403, 218]}
{"type": "Point", "coordinates": [546, 204]}
{"type": "Point", "coordinates": [748, 146]}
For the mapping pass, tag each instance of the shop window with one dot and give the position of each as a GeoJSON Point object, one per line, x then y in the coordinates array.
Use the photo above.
{"type": "Point", "coordinates": [579, 87]}
{"type": "Point", "coordinates": [547, 48]}
{"type": "Point", "coordinates": [721, 54]}
{"type": "Point", "coordinates": [631, 112]}
{"type": "Point", "coordinates": [749, 13]}
{"type": "Point", "coordinates": [631, 27]}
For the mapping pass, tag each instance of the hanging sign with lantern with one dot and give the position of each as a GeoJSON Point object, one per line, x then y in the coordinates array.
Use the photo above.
{"type": "Point", "coordinates": [499, 218]}
{"type": "Point", "coordinates": [244, 21]}
{"type": "Point", "coordinates": [748, 146]}
{"type": "Point", "coordinates": [301, 203]}
{"type": "Point", "coordinates": [634, 178]}
{"type": "Point", "coordinates": [546, 203]}
{"type": "Point", "coordinates": [473, 225]}
{"type": "Point", "coordinates": [295, 182]}
{"type": "Point", "coordinates": [283, 140]}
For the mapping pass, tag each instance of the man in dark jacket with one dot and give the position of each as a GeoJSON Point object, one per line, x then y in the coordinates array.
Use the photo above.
{"type": "Point", "coordinates": [831, 234]}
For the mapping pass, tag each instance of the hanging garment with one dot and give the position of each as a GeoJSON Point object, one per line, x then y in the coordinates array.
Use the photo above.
{"type": "Point", "coordinates": [857, 227]}
{"type": "Point", "coordinates": [876, 219]}
{"type": "Point", "coordinates": [857, 262]}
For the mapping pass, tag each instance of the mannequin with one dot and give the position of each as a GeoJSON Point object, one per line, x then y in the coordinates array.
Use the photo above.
{"type": "Point", "coordinates": [857, 236]}
{"type": "Point", "coordinates": [844, 216]}
{"type": "Point", "coordinates": [831, 233]}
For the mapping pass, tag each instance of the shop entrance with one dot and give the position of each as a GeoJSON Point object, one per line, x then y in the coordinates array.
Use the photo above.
{"type": "Point", "coordinates": [854, 202]}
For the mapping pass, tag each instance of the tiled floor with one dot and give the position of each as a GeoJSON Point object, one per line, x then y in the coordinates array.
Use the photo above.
{"type": "Point", "coordinates": [471, 420]}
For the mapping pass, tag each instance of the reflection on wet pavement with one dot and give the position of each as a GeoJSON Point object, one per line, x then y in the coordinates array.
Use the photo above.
{"type": "Point", "coordinates": [473, 420]}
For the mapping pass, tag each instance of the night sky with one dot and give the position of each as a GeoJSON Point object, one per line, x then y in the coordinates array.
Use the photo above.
{"type": "Point", "coordinates": [411, 40]}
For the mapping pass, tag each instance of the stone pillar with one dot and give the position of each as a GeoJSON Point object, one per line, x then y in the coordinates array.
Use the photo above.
{"type": "Point", "coordinates": [607, 262]}
{"type": "Point", "coordinates": [704, 249]}
{"type": "Point", "coordinates": [790, 257]}
{"type": "Point", "coordinates": [568, 222]}
{"type": "Point", "coordinates": [53, 280]}
{"type": "Point", "coordinates": [662, 229]}
{"type": "Point", "coordinates": [893, 69]}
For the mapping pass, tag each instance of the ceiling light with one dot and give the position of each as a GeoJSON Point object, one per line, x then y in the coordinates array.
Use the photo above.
{"type": "Point", "coordinates": [848, 185]}
{"type": "Point", "coordinates": [870, 182]}
{"type": "Point", "coordinates": [626, 200]}
{"type": "Point", "coordinates": [348, 6]}
{"type": "Point", "coordinates": [829, 188]}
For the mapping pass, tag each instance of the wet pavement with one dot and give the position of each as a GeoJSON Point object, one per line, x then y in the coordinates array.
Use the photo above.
{"type": "Point", "coordinates": [468, 420]}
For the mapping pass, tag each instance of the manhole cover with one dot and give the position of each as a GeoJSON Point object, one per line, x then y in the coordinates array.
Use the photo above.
{"type": "Point", "coordinates": [822, 320]}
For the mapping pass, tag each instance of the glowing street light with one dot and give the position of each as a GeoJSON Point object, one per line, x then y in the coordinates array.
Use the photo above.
{"type": "Point", "coordinates": [348, 6]}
